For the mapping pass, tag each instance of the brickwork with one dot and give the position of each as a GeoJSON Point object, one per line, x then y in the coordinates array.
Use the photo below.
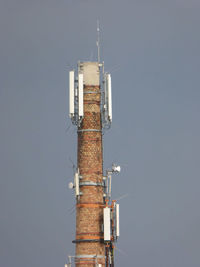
{"type": "Point", "coordinates": [89, 210]}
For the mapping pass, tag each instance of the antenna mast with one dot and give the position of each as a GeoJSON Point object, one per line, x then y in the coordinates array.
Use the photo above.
{"type": "Point", "coordinates": [98, 41]}
{"type": "Point", "coordinates": [97, 215]}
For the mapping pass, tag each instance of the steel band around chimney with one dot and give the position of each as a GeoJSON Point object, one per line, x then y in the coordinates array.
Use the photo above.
{"type": "Point", "coordinates": [87, 240]}
{"type": "Point", "coordinates": [91, 92]}
{"type": "Point", "coordinates": [89, 256]}
{"type": "Point", "coordinates": [88, 130]}
{"type": "Point", "coordinates": [89, 183]}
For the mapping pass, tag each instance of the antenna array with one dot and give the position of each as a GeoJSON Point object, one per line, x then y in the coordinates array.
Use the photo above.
{"type": "Point", "coordinates": [90, 109]}
{"type": "Point", "coordinates": [76, 112]}
{"type": "Point", "coordinates": [76, 92]}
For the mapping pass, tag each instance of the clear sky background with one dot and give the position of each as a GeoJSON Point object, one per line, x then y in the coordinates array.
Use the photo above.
{"type": "Point", "coordinates": [151, 48]}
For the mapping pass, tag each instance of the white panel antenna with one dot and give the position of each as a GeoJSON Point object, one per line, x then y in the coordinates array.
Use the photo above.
{"type": "Point", "coordinates": [80, 95]}
{"type": "Point", "coordinates": [107, 101]}
{"type": "Point", "coordinates": [106, 223]}
{"type": "Point", "coordinates": [117, 219]}
{"type": "Point", "coordinates": [105, 96]}
{"type": "Point", "coordinates": [71, 94]}
{"type": "Point", "coordinates": [109, 97]}
{"type": "Point", "coordinates": [76, 183]}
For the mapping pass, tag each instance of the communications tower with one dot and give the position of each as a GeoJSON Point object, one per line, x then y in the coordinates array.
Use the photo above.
{"type": "Point", "coordinates": [97, 216]}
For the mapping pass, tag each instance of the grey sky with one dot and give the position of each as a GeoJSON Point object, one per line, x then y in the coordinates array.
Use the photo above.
{"type": "Point", "coordinates": [153, 49]}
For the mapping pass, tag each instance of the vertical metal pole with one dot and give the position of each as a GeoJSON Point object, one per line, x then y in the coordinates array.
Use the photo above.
{"type": "Point", "coordinates": [96, 261]}
{"type": "Point", "coordinates": [110, 180]}
{"type": "Point", "coordinates": [106, 257]}
{"type": "Point", "coordinates": [70, 261]}
{"type": "Point", "coordinates": [98, 40]}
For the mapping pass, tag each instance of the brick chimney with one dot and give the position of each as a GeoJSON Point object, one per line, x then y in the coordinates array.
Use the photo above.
{"type": "Point", "coordinates": [90, 248]}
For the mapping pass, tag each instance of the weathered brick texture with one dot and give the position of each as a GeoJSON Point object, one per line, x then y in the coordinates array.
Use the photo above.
{"type": "Point", "coordinates": [89, 211]}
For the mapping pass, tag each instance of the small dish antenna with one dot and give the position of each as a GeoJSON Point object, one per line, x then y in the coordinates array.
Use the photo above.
{"type": "Point", "coordinates": [71, 185]}
{"type": "Point", "coordinates": [116, 168]}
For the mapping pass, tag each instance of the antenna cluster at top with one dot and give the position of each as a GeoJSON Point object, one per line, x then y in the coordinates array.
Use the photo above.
{"type": "Point", "coordinates": [76, 97]}
{"type": "Point", "coordinates": [76, 91]}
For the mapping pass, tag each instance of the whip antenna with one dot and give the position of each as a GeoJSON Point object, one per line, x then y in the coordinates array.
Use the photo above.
{"type": "Point", "coordinates": [98, 41]}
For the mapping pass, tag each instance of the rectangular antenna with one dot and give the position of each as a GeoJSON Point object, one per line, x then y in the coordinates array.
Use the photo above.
{"type": "Point", "coordinates": [77, 184]}
{"type": "Point", "coordinates": [71, 94]}
{"type": "Point", "coordinates": [80, 95]}
{"type": "Point", "coordinates": [109, 97]}
{"type": "Point", "coordinates": [117, 219]}
{"type": "Point", "coordinates": [105, 95]}
{"type": "Point", "coordinates": [106, 223]}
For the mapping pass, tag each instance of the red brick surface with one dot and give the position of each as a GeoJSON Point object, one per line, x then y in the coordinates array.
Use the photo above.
{"type": "Point", "coordinates": [89, 219]}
